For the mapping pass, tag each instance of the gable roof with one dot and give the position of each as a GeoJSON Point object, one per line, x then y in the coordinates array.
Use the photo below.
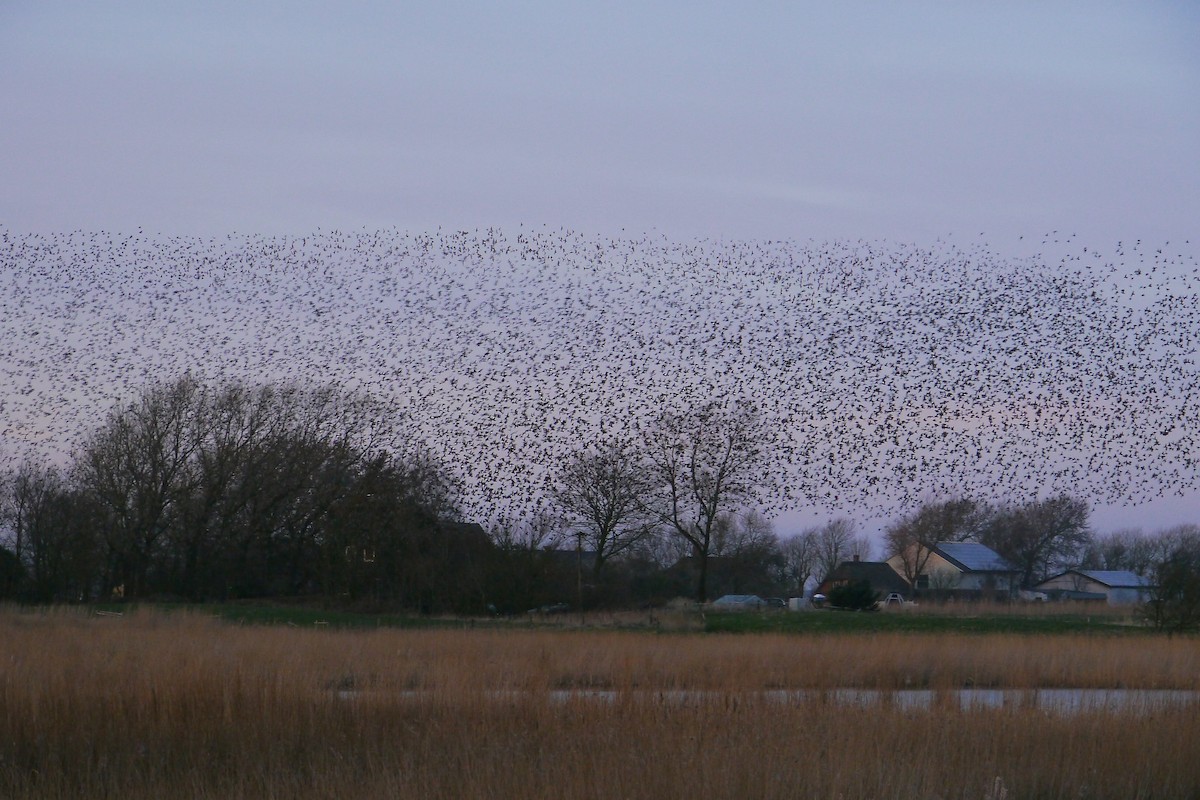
{"type": "Point", "coordinates": [973, 557]}
{"type": "Point", "coordinates": [1112, 578]}
{"type": "Point", "coordinates": [1117, 578]}
{"type": "Point", "coordinates": [879, 574]}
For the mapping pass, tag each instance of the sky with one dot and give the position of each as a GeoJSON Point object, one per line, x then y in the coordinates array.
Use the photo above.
{"type": "Point", "coordinates": [761, 120]}
{"type": "Point", "coordinates": [904, 122]}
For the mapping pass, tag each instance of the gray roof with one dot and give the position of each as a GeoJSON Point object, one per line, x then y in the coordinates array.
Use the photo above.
{"type": "Point", "coordinates": [973, 557]}
{"type": "Point", "coordinates": [1116, 578]}
{"type": "Point", "coordinates": [738, 599]}
{"type": "Point", "coordinates": [879, 574]}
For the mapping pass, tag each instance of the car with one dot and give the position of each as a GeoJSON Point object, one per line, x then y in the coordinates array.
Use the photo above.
{"type": "Point", "coordinates": [775, 602]}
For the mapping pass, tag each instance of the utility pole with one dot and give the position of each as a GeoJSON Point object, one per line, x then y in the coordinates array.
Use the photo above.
{"type": "Point", "coordinates": [579, 573]}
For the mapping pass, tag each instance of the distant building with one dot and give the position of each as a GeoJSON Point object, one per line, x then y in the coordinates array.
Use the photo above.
{"type": "Point", "coordinates": [884, 580]}
{"type": "Point", "coordinates": [726, 575]}
{"type": "Point", "coordinates": [572, 558]}
{"type": "Point", "coordinates": [962, 570]}
{"type": "Point", "coordinates": [1113, 586]}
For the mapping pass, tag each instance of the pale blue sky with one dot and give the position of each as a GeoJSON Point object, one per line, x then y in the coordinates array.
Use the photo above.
{"type": "Point", "coordinates": [777, 120]}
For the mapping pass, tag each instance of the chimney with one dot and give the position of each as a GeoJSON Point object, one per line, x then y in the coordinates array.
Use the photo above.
{"type": "Point", "coordinates": [856, 556]}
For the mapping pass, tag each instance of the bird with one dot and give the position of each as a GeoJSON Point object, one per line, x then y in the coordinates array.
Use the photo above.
{"type": "Point", "coordinates": [880, 369]}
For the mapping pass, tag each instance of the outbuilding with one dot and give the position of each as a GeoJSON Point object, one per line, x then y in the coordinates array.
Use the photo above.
{"type": "Point", "coordinates": [1117, 587]}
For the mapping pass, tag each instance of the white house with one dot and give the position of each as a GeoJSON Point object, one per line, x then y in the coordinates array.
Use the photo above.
{"type": "Point", "coordinates": [960, 569]}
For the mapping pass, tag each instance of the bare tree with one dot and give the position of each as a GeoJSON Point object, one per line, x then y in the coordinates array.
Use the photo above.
{"type": "Point", "coordinates": [137, 468]}
{"type": "Point", "coordinates": [703, 463]}
{"type": "Point", "coordinates": [751, 559]}
{"type": "Point", "coordinates": [34, 493]}
{"type": "Point", "coordinates": [232, 470]}
{"type": "Point", "coordinates": [942, 581]}
{"type": "Point", "coordinates": [1127, 549]}
{"type": "Point", "coordinates": [211, 491]}
{"type": "Point", "coordinates": [1174, 603]}
{"type": "Point", "coordinates": [735, 534]}
{"type": "Point", "coordinates": [912, 538]}
{"type": "Point", "coordinates": [385, 538]}
{"type": "Point", "coordinates": [661, 549]}
{"type": "Point", "coordinates": [603, 493]}
{"type": "Point", "coordinates": [7, 534]}
{"type": "Point", "coordinates": [523, 572]}
{"type": "Point", "coordinates": [1041, 537]}
{"type": "Point", "coordinates": [541, 530]}
{"type": "Point", "coordinates": [861, 547]}
{"type": "Point", "coordinates": [833, 542]}
{"type": "Point", "coordinates": [800, 558]}
{"type": "Point", "coordinates": [51, 534]}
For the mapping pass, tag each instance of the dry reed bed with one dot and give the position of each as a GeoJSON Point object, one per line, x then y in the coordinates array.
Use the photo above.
{"type": "Point", "coordinates": [147, 648]}
{"type": "Point", "coordinates": [182, 706]}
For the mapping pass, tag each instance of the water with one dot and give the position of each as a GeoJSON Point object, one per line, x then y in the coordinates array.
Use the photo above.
{"type": "Point", "coordinates": [1056, 701]}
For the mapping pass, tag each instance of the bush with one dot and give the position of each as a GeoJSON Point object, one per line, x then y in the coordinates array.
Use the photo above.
{"type": "Point", "coordinates": [857, 596]}
{"type": "Point", "coordinates": [12, 574]}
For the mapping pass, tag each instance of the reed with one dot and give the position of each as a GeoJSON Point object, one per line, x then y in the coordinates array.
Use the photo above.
{"type": "Point", "coordinates": [149, 705]}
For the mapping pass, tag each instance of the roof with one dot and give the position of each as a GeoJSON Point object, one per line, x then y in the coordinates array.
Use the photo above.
{"type": "Point", "coordinates": [879, 574]}
{"type": "Point", "coordinates": [1112, 578]}
{"type": "Point", "coordinates": [973, 557]}
{"type": "Point", "coordinates": [739, 599]}
{"type": "Point", "coordinates": [1117, 578]}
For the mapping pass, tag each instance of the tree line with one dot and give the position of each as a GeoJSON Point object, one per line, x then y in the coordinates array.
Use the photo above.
{"type": "Point", "coordinates": [199, 492]}
{"type": "Point", "coordinates": [216, 492]}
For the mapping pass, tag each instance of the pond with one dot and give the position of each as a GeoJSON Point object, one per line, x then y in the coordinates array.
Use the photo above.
{"type": "Point", "coordinates": [1059, 701]}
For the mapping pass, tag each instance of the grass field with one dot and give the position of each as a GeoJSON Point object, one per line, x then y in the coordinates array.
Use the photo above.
{"type": "Point", "coordinates": [152, 704]}
{"type": "Point", "coordinates": [972, 618]}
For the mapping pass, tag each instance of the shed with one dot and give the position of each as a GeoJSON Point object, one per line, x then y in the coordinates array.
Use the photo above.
{"type": "Point", "coordinates": [1116, 586]}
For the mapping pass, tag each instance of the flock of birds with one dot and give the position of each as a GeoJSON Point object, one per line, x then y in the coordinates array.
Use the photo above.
{"type": "Point", "coordinates": [887, 371]}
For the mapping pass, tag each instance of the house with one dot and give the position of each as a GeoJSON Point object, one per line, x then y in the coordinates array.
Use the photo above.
{"type": "Point", "coordinates": [884, 580]}
{"type": "Point", "coordinates": [571, 558]}
{"type": "Point", "coordinates": [960, 570]}
{"type": "Point", "coordinates": [1113, 586]}
{"type": "Point", "coordinates": [725, 575]}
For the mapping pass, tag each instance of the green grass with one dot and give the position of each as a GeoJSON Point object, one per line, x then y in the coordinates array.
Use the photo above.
{"type": "Point", "coordinates": [294, 615]}
{"type": "Point", "coordinates": [843, 622]}
{"type": "Point", "coordinates": [990, 620]}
